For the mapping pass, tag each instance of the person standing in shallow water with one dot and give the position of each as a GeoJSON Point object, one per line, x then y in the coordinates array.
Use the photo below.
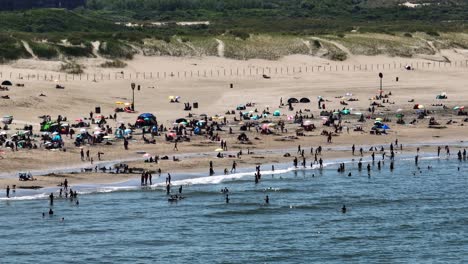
{"type": "Point", "coordinates": [267, 199]}
{"type": "Point", "coordinates": [343, 209]}
{"type": "Point", "coordinates": [8, 191]}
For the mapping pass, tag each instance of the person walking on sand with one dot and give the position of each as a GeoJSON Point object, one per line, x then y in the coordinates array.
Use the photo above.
{"type": "Point", "coordinates": [87, 154]}
{"type": "Point", "coordinates": [82, 154]}
{"type": "Point", "coordinates": [234, 165]}
{"type": "Point", "coordinates": [125, 144]}
{"type": "Point", "coordinates": [353, 148]}
{"type": "Point", "coordinates": [175, 146]}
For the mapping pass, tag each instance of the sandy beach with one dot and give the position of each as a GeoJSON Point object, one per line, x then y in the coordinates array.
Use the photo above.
{"type": "Point", "coordinates": [301, 76]}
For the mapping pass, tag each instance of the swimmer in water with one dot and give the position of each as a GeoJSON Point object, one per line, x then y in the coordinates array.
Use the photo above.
{"type": "Point", "coordinates": [267, 199]}
{"type": "Point", "coordinates": [343, 209]}
{"type": "Point", "coordinates": [51, 212]}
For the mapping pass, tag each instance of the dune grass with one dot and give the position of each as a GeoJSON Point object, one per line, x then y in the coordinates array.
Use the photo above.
{"type": "Point", "coordinates": [11, 49]}
{"type": "Point", "coordinates": [263, 47]}
{"type": "Point", "coordinates": [378, 44]}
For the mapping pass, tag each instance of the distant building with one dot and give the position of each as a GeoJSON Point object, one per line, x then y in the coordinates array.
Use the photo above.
{"type": "Point", "coordinates": [30, 4]}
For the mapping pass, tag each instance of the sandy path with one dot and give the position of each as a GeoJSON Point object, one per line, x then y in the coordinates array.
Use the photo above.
{"type": "Point", "coordinates": [220, 48]}
{"type": "Point", "coordinates": [338, 45]}
{"type": "Point", "coordinates": [28, 49]}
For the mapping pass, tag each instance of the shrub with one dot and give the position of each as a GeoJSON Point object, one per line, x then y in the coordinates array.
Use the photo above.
{"type": "Point", "coordinates": [113, 64]}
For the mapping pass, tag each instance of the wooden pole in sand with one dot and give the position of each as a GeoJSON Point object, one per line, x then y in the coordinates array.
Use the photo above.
{"type": "Point", "coordinates": [381, 77]}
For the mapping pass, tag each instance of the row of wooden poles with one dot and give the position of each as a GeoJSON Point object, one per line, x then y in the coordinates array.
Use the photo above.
{"type": "Point", "coordinates": [251, 71]}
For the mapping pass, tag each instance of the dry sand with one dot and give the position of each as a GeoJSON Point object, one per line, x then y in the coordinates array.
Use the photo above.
{"type": "Point", "coordinates": [215, 97]}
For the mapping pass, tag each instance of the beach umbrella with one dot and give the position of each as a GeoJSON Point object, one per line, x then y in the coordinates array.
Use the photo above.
{"type": "Point", "coordinates": [147, 155]}
{"type": "Point", "coordinates": [358, 113]}
{"type": "Point", "coordinates": [307, 123]}
{"type": "Point", "coordinates": [3, 133]}
{"type": "Point", "coordinates": [345, 112]}
{"type": "Point", "coordinates": [79, 120]}
{"type": "Point", "coordinates": [420, 106]}
{"type": "Point", "coordinates": [399, 110]}
{"type": "Point", "coordinates": [171, 97]}
{"type": "Point", "coordinates": [456, 108]}
{"type": "Point", "coordinates": [385, 126]}
{"type": "Point", "coordinates": [219, 150]}
{"type": "Point", "coordinates": [7, 83]}
{"type": "Point", "coordinates": [379, 119]}
{"type": "Point", "coordinates": [119, 103]}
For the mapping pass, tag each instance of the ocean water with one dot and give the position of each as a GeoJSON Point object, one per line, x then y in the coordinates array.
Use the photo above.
{"type": "Point", "coordinates": [404, 216]}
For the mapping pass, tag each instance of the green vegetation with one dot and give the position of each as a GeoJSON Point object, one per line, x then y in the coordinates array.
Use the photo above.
{"type": "Point", "coordinates": [266, 29]}
{"type": "Point", "coordinates": [84, 50]}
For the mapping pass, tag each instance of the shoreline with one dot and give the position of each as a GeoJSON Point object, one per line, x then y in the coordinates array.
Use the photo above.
{"type": "Point", "coordinates": [100, 180]}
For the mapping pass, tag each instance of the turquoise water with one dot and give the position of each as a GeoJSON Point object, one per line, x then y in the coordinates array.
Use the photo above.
{"type": "Point", "coordinates": [404, 216]}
